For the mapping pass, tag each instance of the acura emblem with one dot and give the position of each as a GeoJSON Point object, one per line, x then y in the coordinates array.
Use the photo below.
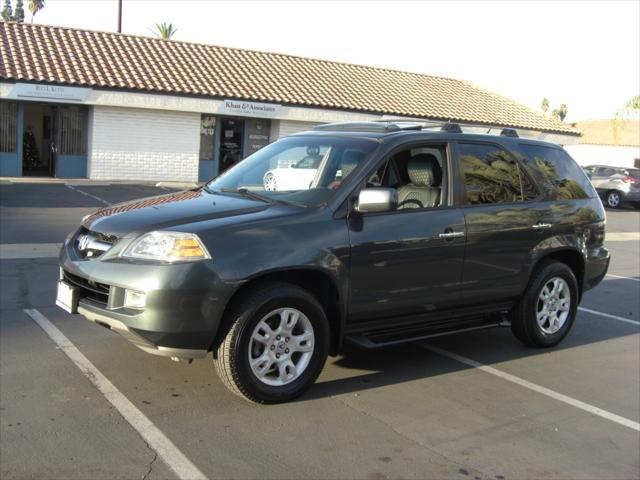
{"type": "Point", "coordinates": [83, 242]}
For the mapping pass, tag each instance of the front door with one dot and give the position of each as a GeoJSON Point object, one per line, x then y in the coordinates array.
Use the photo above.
{"type": "Point", "coordinates": [408, 261]}
{"type": "Point", "coordinates": [231, 142]}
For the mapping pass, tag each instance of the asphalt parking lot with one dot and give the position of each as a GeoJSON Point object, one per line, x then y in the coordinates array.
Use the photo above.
{"type": "Point", "coordinates": [472, 406]}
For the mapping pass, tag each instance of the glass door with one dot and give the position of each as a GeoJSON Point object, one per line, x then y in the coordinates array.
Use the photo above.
{"type": "Point", "coordinates": [231, 139]}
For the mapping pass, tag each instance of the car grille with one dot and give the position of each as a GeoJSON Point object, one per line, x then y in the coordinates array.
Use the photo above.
{"type": "Point", "coordinates": [90, 245]}
{"type": "Point", "coordinates": [94, 291]}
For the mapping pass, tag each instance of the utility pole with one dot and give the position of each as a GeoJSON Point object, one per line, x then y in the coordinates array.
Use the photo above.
{"type": "Point", "coordinates": [119, 16]}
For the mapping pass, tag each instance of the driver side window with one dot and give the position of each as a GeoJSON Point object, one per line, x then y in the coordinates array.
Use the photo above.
{"type": "Point", "coordinates": [418, 174]}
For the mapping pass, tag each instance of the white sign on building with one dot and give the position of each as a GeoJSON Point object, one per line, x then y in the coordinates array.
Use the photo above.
{"type": "Point", "coordinates": [48, 93]}
{"type": "Point", "coordinates": [249, 109]}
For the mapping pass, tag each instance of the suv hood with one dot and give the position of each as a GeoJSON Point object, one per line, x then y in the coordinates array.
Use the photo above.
{"type": "Point", "coordinates": [163, 211]}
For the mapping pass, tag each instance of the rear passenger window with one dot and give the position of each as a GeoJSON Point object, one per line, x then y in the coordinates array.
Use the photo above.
{"type": "Point", "coordinates": [562, 175]}
{"type": "Point", "coordinates": [492, 176]}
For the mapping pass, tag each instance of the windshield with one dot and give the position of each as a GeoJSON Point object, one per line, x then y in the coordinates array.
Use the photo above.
{"type": "Point", "coordinates": [300, 170]}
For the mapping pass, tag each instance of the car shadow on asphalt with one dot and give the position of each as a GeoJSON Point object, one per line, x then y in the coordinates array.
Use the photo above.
{"type": "Point", "coordinates": [409, 362]}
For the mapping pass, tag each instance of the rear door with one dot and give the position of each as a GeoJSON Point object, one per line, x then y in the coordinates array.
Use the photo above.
{"type": "Point", "coordinates": [505, 220]}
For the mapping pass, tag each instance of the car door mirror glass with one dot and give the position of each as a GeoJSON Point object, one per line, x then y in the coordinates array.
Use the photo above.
{"type": "Point", "coordinates": [372, 200]}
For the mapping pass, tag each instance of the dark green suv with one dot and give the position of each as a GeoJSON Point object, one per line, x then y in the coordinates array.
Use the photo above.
{"type": "Point", "coordinates": [398, 233]}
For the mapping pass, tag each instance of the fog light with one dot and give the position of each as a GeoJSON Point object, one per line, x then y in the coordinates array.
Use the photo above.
{"type": "Point", "coordinates": [133, 299]}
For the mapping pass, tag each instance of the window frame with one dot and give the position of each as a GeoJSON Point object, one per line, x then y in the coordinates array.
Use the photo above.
{"type": "Point", "coordinates": [463, 199]}
{"type": "Point", "coordinates": [448, 171]}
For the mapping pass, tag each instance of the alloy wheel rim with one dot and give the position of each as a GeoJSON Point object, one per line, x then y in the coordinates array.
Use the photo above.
{"type": "Point", "coordinates": [614, 199]}
{"type": "Point", "coordinates": [554, 305]}
{"type": "Point", "coordinates": [270, 183]}
{"type": "Point", "coordinates": [281, 346]}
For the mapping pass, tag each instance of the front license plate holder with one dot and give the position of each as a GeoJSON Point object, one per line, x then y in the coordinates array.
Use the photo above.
{"type": "Point", "coordinates": [67, 297]}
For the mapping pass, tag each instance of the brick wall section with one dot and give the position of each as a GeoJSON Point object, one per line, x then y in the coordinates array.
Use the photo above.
{"type": "Point", "coordinates": [139, 144]}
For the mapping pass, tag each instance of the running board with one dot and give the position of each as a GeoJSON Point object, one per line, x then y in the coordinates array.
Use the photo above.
{"type": "Point", "coordinates": [371, 341]}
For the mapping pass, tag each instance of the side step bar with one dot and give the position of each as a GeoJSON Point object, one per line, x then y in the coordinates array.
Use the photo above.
{"type": "Point", "coordinates": [383, 334]}
{"type": "Point", "coordinates": [378, 342]}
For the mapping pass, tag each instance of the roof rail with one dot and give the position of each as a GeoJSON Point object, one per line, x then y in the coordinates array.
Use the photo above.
{"type": "Point", "coordinates": [377, 127]}
{"type": "Point", "coordinates": [451, 128]}
{"type": "Point", "coordinates": [509, 132]}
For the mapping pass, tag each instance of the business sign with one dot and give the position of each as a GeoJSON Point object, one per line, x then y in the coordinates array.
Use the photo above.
{"type": "Point", "coordinates": [249, 109]}
{"type": "Point", "coordinates": [48, 93]}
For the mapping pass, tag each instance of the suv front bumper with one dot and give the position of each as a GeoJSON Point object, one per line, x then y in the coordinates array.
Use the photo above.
{"type": "Point", "coordinates": [184, 302]}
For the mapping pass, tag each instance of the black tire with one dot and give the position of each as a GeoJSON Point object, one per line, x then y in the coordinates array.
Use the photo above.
{"type": "Point", "coordinates": [614, 199]}
{"type": "Point", "coordinates": [231, 358]}
{"type": "Point", "coordinates": [523, 317]}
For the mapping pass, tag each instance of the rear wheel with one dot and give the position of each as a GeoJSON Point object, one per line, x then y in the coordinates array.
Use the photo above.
{"type": "Point", "coordinates": [614, 199]}
{"type": "Point", "coordinates": [546, 312]}
{"type": "Point", "coordinates": [276, 346]}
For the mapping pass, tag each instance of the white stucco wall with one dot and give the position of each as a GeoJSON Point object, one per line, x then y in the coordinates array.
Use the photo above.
{"type": "Point", "coordinates": [142, 144]}
{"type": "Point", "coordinates": [603, 155]}
{"type": "Point", "coordinates": [283, 128]}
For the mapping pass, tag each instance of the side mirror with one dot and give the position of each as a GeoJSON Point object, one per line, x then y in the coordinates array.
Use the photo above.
{"type": "Point", "coordinates": [377, 200]}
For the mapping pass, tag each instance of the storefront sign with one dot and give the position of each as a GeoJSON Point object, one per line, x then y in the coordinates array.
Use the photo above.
{"type": "Point", "coordinates": [49, 93]}
{"type": "Point", "coordinates": [249, 109]}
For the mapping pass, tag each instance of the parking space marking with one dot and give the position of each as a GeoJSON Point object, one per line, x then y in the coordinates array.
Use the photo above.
{"type": "Point", "coordinates": [621, 236]}
{"type": "Point", "coordinates": [13, 251]}
{"type": "Point", "coordinates": [101, 200]}
{"type": "Point", "coordinates": [165, 449]}
{"type": "Point", "coordinates": [536, 388]}
{"type": "Point", "coordinates": [624, 278]}
{"type": "Point", "coordinates": [608, 315]}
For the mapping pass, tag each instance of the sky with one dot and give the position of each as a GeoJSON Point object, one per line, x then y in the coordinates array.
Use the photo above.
{"type": "Point", "coordinates": [584, 54]}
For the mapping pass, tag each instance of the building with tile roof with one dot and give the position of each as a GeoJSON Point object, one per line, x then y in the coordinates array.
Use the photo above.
{"type": "Point", "coordinates": [113, 106]}
{"type": "Point", "coordinates": [613, 141]}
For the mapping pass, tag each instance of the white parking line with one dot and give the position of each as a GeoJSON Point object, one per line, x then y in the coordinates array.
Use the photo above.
{"type": "Point", "coordinates": [608, 315]}
{"type": "Point", "coordinates": [624, 278]}
{"type": "Point", "coordinates": [12, 251]}
{"type": "Point", "coordinates": [101, 200]}
{"type": "Point", "coordinates": [165, 449]}
{"type": "Point", "coordinates": [621, 236]}
{"type": "Point", "coordinates": [536, 388]}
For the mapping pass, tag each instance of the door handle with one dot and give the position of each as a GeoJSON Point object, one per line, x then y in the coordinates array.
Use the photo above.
{"type": "Point", "coordinates": [541, 226]}
{"type": "Point", "coordinates": [451, 235]}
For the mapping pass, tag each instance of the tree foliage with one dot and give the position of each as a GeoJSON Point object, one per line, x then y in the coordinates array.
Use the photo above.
{"type": "Point", "coordinates": [34, 7]}
{"type": "Point", "coordinates": [7, 11]}
{"type": "Point", "coordinates": [165, 30]}
{"type": "Point", "coordinates": [18, 13]}
{"type": "Point", "coordinates": [544, 105]}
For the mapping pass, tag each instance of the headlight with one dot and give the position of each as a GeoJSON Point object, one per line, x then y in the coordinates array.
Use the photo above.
{"type": "Point", "coordinates": [167, 247]}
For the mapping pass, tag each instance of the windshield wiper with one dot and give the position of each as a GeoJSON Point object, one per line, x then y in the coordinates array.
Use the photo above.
{"type": "Point", "coordinates": [248, 193]}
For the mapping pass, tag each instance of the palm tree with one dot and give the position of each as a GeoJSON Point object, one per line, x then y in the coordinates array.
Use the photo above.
{"type": "Point", "coordinates": [35, 6]}
{"type": "Point", "coordinates": [562, 112]}
{"type": "Point", "coordinates": [165, 30]}
{"type": "Point", "coordinates": [544, 105]}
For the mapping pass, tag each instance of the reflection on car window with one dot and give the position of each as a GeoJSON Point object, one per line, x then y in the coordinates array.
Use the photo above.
{"type": "Point", "coordinates": [491, 175]}
{"type": "Point", "coordinates": [563, 176]}
{"type": "Point", "coordinates": [301, 170]}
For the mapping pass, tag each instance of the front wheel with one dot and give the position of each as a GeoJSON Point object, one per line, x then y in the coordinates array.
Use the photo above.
{"type": "Point", "coordinates": [545, 313]}
{"type": "Point", "coordinates": [614, 199]}
{"type": "Point", "coordinates": [276, 346]}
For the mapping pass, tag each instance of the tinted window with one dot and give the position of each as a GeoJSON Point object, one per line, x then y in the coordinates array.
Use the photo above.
{"type": "Point", "coordinates": [491, 175]}
{"type": "Point", "coordinates": [562, 175]}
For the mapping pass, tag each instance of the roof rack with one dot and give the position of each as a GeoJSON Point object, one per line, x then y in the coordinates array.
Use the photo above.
{"type": "Point", "coordinates": [509, 132]}
{"type": "Point", "coordinates": [390, 126]}
{"type": "Point", "coordinates": [378, 127]}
